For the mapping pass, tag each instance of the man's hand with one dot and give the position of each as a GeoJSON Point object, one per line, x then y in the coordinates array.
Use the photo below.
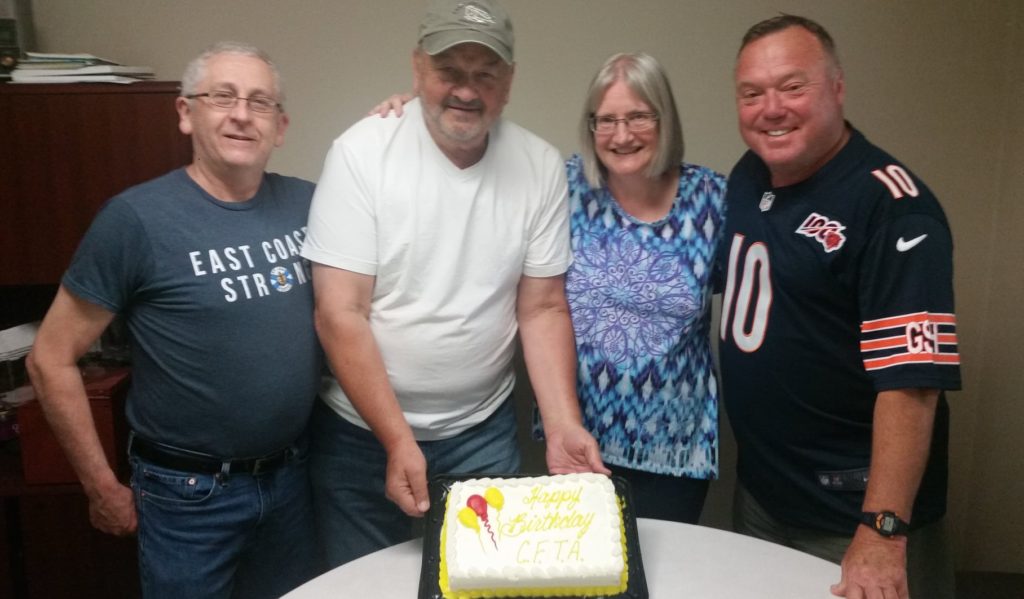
{"type": "Point", "coordinates": [874, 567]}
{"type": "Point", "coordinates": [393, 104]}
{"type": "Point", "coordinates": [406, 480]}
{"type": "Point", "coordinates": [113, 511]}
{"type": "Point", "coordinates": [573, 449]}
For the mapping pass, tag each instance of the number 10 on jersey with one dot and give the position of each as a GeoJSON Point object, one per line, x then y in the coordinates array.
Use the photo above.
{"type": "Point", "coordinates": [745, 309]}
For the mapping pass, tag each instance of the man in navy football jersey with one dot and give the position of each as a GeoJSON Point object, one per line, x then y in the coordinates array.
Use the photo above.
{"type": "Point", "coordinates": [838, 330]}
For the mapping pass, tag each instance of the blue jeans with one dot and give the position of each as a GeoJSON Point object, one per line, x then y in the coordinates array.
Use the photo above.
{"type": "Point", "coordinates": [211, 536]}
{"type": "Point", "coordinates": [348, 466]}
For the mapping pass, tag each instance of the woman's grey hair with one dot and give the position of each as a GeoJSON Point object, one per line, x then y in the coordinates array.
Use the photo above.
{"type": "Point", "coordinates": [195, 72]}
{"type": "Point", "coordinates": [646, 78]}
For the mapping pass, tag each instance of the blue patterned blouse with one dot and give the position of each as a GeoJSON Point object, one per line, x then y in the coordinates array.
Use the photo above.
{"type": "Point", "coordinates": [640, 297]}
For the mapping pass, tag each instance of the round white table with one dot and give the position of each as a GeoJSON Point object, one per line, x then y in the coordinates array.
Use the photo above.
{"type": "Point", "coordinates": [681, 561]}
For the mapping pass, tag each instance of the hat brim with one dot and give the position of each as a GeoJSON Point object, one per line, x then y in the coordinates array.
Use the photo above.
{"type": "Point", "coordinates": [438, 42]}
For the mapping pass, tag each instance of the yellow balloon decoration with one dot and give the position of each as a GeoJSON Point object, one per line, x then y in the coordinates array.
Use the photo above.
{"type": "Point", "coordinates": [494, 497]}
{"type": "Point", "coordinates": [468, 519]}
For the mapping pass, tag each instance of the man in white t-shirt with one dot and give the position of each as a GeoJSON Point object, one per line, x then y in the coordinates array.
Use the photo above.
{"type": "Point", "coordinates": [436, 238]}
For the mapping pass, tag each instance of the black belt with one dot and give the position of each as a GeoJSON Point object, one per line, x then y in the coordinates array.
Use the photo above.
{"type": "Point", "coordinates": [186, 461]}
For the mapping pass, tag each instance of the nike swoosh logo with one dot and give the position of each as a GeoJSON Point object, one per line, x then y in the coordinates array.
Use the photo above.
{"type": "Point", "coordinates": [902, 245]}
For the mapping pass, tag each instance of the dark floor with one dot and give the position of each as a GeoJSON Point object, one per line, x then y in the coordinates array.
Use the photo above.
{"type": "Point", "coordinates": [989, 585]}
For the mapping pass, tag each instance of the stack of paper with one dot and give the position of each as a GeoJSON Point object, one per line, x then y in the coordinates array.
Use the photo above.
{"type": "Point", "coordinates": [15, 343]}
{"type": "Point", "coordinates": [73, 68]}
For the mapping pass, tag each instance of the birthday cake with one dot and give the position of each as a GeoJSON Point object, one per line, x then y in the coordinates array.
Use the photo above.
{"type": "Point", "coordinates": [545, 536]}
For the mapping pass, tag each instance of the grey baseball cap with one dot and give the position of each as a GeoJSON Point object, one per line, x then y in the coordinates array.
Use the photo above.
{"type": "Point", "coordinates": [451, 22]}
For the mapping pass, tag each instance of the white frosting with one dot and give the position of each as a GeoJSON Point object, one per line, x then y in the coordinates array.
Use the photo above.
{"type": "Point", "coordinates": [548, 531]}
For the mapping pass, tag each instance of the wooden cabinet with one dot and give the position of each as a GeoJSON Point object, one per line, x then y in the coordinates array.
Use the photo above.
{"type": "Point", "coordinates": [48, 548]}
{"type": "Point", "coordinates": [50, 551]}
{"type": "Point", "coordinates": [64, 150]}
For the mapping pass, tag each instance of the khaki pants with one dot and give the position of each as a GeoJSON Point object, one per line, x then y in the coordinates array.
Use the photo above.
{"type": "Point", "coordinates": [929, 556]}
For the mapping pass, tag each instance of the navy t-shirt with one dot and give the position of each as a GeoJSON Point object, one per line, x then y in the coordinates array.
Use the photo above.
{"type": "Point", "coordinates": [219, 306]}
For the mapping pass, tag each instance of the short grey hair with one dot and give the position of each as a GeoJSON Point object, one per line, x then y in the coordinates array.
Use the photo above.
{"type": "Point", "coordinates": [647, 79]}
{"type": "Point", "coordinates": [785, 21]}
{"type": "Point", "coordinates": [195, 72]}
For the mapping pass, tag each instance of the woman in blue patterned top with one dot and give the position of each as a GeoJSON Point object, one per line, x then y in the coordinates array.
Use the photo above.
{"type": "Point", "coordinates": [645, 226]}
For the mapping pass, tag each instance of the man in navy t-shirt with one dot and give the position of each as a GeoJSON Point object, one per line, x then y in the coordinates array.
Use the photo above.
{"type": "Point", "coordinates": [203, 265]}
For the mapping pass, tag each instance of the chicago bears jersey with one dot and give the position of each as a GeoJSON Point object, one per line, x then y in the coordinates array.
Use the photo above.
{"type": "Point", "coordinates": [836, 288]}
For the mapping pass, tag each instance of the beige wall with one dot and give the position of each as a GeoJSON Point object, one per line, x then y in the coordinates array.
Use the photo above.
{"type": "Point", "coordinates": [936, 83]}
{"type": "Point", "coordinates": [994, 489]}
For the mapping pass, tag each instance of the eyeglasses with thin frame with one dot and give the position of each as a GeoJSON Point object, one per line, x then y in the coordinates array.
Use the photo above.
{"type": "Point", "coordinates": [227, 100]}
{"type": "Point", "coordinates": [636, 122]}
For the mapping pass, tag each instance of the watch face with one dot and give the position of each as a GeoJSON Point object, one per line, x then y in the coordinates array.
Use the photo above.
{"type": "Point", "coordinates": [885, 523]}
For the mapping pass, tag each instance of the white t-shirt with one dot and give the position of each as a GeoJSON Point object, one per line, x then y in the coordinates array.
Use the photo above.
{"type": "Point", "coordinates": [447, 247]}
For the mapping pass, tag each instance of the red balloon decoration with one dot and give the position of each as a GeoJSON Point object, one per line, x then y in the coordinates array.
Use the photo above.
{"type": "Point", "coordinates": [479, 505]}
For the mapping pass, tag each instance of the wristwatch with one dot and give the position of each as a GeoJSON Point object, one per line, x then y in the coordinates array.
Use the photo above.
{"type": "Point", "coordinates": [885, 523]}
